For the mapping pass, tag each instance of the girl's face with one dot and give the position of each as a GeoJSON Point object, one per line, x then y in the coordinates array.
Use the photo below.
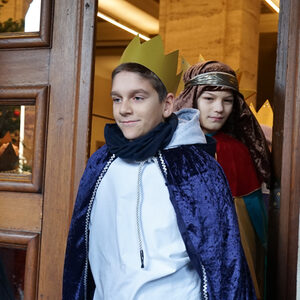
{"type": "Point", "coordinates": [215, 108]}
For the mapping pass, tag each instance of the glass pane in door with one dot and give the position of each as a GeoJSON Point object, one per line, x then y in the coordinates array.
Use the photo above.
{"type": "Point", "coordinates": [17, 125]}
{"type": "Point", "coordinates": [17, 16]}
{"type": "Point", "coordinates": [12, 270]}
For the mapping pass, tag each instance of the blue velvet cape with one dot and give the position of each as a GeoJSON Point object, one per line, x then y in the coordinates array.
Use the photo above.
{"type": "Point", "coordinates": [206, 219]}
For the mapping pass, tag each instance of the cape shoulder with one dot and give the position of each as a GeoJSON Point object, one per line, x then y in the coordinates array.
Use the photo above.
{"type": "Point", "coordinates": [207, 220]}
{"type": "Point", "coordinates": [190, 161]}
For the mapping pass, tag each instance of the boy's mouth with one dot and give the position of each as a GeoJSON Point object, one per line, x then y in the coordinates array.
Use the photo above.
{"type": "Point", "coordinates": [129, 122]}
{"type": "Point", "coordinates": [216, 119]}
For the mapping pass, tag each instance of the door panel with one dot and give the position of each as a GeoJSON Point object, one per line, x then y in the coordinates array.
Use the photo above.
{"type": "Point", "coordinates": [21, 211]}
{"type": "Point", "coordinates": [24, 90]}
{"type": "Point", "coordinates": [24, 67]}
{"type": "Point", "coordinates": [50, 70]}
{"type": "Point", "coordinates": [284, 208]}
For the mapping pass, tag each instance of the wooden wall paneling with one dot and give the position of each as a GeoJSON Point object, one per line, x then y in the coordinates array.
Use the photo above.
{"type": "Point", "coordinates": [70, 79]}
{"type": "Point", "coordinates": [30, 242]}
{"type": "Point", "coordinates": [32, 39]}
{"type": "Point", "coordinates": [27, 68]}
{"type": "Point", "coordinates": [21, 211]}
{"type": "Point", "coordinates": [284, 219]}
{"type": "Point", "coordinates": [22, 96]}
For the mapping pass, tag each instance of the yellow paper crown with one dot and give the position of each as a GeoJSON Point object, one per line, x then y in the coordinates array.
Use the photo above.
{"type": "Point", "coordinates": [184, 67]}
{"type": "Point", "coordinates": [151, 55]}
{"type": "Point", "coordinates": [265, 114]}
{"type": "Point", "coordinates": [245, 92]}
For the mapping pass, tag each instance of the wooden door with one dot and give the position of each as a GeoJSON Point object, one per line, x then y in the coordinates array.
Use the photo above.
{"type": "Point", "coordinates": [284, 214]}
{"type": "Point", "coordinates": [45, 91]}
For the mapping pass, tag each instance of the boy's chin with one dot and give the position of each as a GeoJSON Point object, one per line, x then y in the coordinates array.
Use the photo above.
{"type": "Point", "coordinates": [130, 135]}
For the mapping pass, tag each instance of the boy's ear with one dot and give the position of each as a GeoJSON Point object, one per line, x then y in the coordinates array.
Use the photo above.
{"type": "Point", "coordinates": [169, 105]}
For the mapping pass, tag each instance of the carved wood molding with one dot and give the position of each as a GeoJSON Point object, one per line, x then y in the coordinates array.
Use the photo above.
{"type": "Point", "coordinates": [28, 96]}
{"type": "Point", "coordinates": [32, 39]}
{"type": "Point", "coordinates": [30, 242]}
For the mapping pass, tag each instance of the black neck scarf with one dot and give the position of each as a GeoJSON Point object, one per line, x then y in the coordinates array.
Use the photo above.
{"type": "Point", "coordinates": [143, 147]}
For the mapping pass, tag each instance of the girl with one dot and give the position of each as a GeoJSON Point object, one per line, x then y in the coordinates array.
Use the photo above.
{"type": "Point", "coordinates": [212, 87]}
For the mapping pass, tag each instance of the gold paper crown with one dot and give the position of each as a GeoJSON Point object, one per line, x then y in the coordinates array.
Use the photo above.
{"type": "Point", "coordinates": [151, 55]}
{"type": "Point", "coordinates": [265, 114]}
{"type": "Point", "coordinates": [245, 92]}
{"type": "Point", "coordinates": [184, 67]}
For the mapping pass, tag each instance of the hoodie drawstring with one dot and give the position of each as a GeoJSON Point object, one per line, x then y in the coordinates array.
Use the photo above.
{"type": "Point", "coordinates": [138, 212]}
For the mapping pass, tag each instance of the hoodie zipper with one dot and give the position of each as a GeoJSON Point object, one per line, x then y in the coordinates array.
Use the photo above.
{"type": "Point", "coordinates": [204, 284]}
{"type": "Point", "coordinates": [139, 202]}
{"type": "Point", "coordinates": [87, 221]}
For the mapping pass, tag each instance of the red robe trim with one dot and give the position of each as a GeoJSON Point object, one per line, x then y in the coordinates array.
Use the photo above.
{"type": "Point", "coordinates": [237, 164]}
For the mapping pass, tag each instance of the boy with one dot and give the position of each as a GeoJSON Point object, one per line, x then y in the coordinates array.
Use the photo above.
{"type": "Point", "coordinates": [154, 217]}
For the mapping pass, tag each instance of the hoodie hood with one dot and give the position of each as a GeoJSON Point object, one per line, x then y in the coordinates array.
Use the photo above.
{"type": "Point", "coordinates": [188, 130]}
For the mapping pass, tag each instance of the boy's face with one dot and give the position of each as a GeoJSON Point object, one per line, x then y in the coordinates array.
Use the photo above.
{"type": "Point", "coordinates": [215, 108]}
{"type": "Point", "coordinates": [136, 105]}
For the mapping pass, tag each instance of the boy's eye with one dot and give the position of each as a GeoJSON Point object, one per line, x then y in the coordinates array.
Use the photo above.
{"type": "Point", "coordinates": [138, 98]}
{"type": "Point", "coordinates": [208, 98]}
{"type": "Point", "coordinates": [116, 100]}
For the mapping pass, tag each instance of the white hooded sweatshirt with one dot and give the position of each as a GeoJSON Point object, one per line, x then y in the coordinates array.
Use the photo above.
{"type": "Point", "coordinates": [132, 211]}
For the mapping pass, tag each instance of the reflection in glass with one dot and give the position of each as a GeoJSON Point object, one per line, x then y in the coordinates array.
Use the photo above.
{"type": "Point", "coordinates": [17, 124]}
{"type": "Point", "coordinates": [32, 18]}
{"type": "Point", "coordinates": [12, 271]}
{"type": "Point", "coordinates": [19, 16]}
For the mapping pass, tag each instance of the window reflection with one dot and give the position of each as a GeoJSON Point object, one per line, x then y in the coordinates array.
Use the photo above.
{"type": "Point", "coordinates": [16, 138]}
{"type": "Point", "coordinates": [19, 16]}
{"type": "Point", "coordinates": [12, 271]}
{"type": "Point", "coordinates": [32, 18]}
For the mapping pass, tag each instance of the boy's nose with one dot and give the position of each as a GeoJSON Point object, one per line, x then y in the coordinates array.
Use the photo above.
{"type": "Point", "coordinates": [219, 106]}
{"type": "Point", "coordinates": [125, 107]}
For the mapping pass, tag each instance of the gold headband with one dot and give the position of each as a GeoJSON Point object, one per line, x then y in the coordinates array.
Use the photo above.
{"type": "Point", "coordinates": [214, 79]}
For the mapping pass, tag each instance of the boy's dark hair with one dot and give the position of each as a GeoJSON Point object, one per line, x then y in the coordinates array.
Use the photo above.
{"type": "Point", "coordinates": [145, 73]}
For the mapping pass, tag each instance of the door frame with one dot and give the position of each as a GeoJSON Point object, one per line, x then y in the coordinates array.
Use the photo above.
{"type": "Point", "coordinates": [284, 208]}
